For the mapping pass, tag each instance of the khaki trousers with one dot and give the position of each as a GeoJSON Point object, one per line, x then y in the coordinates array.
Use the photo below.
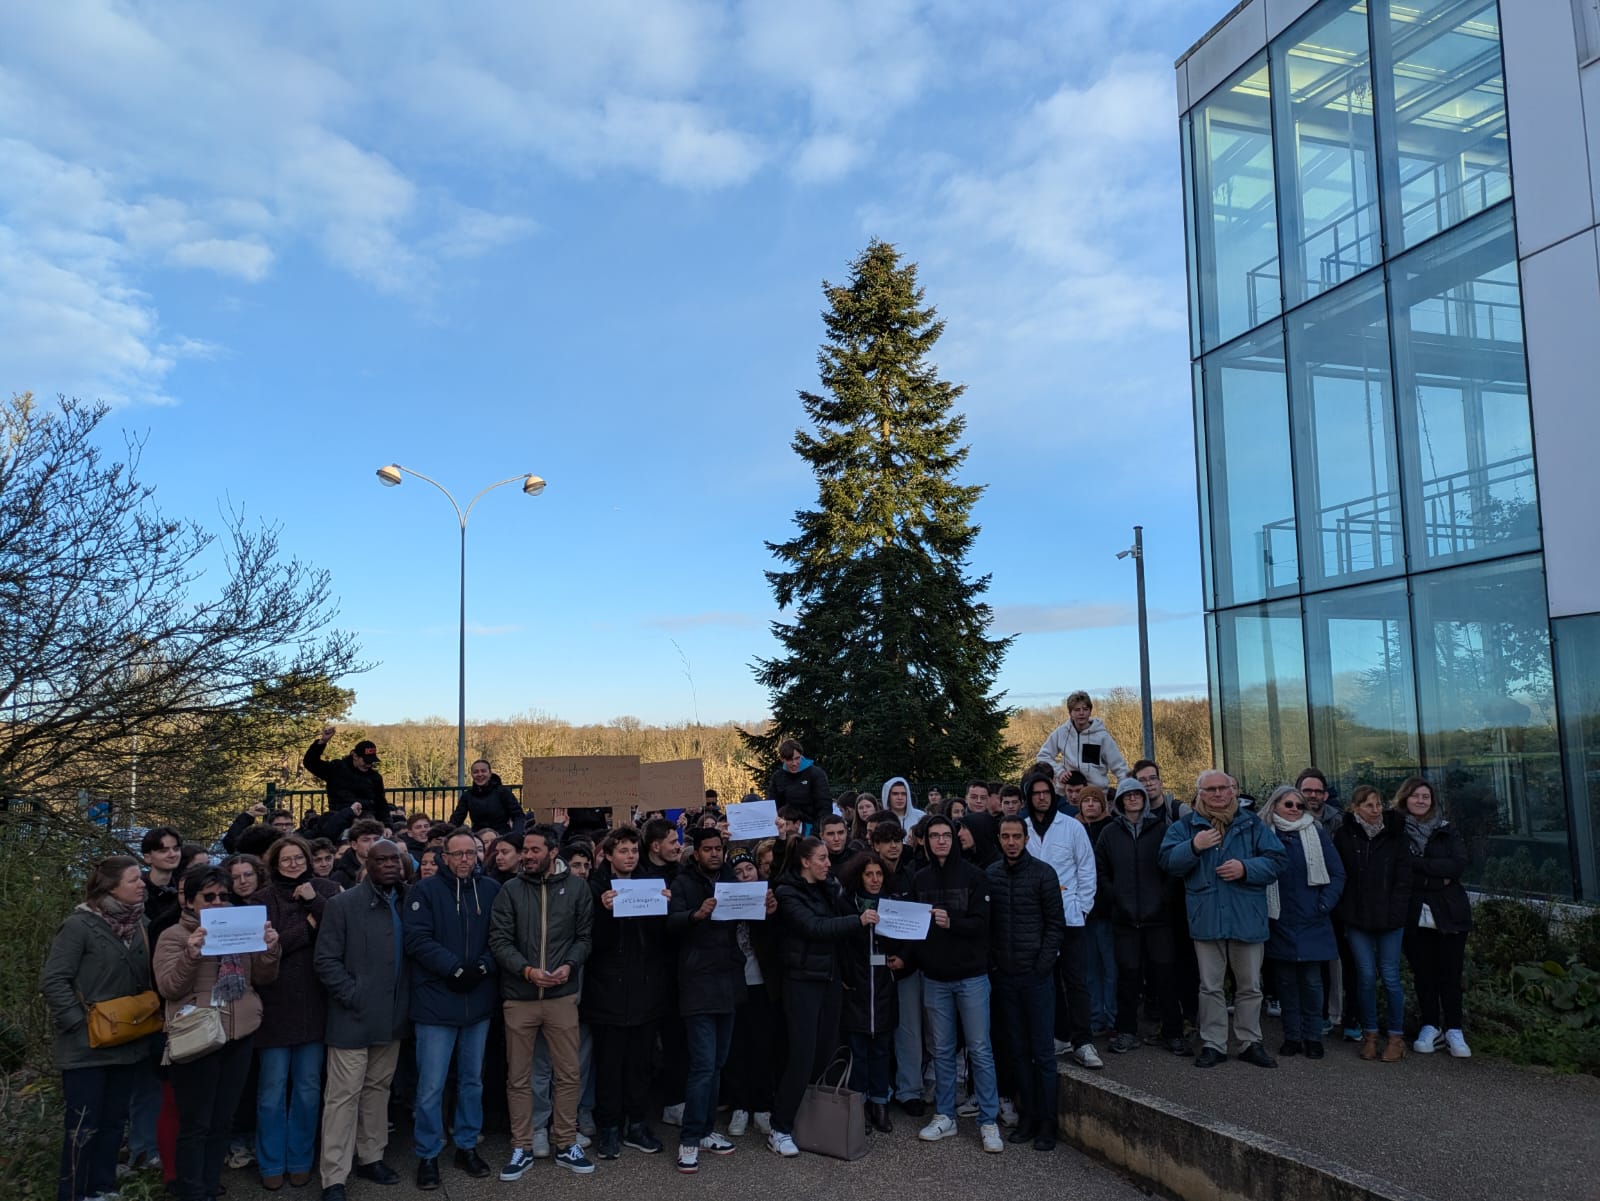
{"type": "Point", "coordinates": [1215, 958]}
{"type": "Point", "coordinates": [355, 1108]}
{"type": "Point", "coordinates": [557, 1020]}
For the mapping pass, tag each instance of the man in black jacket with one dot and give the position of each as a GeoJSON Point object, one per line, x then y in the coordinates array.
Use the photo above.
{"type": "Point", "coordinates": [801, 783]}
{"type": "Point", "coordinates": [1027, 926]}
{"type": "Point", "coordinates": [355, 788]}
{"type": "Point", "coordinates": [889, 841]}
{"type": "Point", "coordinates": [955, 967]}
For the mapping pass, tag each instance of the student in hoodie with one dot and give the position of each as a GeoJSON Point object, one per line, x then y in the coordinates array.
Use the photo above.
{"type": "Point", "coordinates": [1027, 924]}
{"type": "Point", "coordinates": [749, 1079]}
{"type": "Point", "coordinates": [1101, 952]}
{"type": "Point", "coordinates": [889, 844]}
{"type": "Point", "coordinates": [1138, 896]}
{"type": "Point", "coordinates": [488, 804]}
{"type": "Point", "coordinates": [895, 799]}
{"type": "Point", "coordinates": [955, 964]}
{"type": "Point", "coordinates": [800, 782]}
{"type": "Point", "coordinates": [1083, 744]}
{"type": "Point", "coordinates": [453, 993]}
{"type": "Point", "coordinates": [541, 933]}
{"type": "Point", "coordinates": [1226, 856]}
{"type": "Point", "coordinates": [1063, 843]}
{"type": "Point", "coordinates": [871, 995]}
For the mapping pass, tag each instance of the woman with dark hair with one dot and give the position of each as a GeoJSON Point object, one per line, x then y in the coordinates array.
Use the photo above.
{"type": "Point", "coordinates": [816, 923]}
{"type": "Point", "coordinates": [505, 859]}
{"type": "Point", "coordinates": [871, 993]}
{"type": "Point", "coordinates": [1373, 912]}
{"type": "Point", "coordinates": [1440, 917]}
{"type": "Point", "coordinates": [1300, 906]}
{"type": "Point", "coordinates": [489, 804]}
{"type": "Point", "coordinates": [860, 813]}
{"type": "Point", "coordinates": [208, 1088]}
{"type": "Point", "coordinates": [294, 1012]}
{"type": "Point", "coordinates": [245, 874]}
{"type": "Point", "coordinates": [429, 864]}
{"type": "Point", "coordinates": [99, 954]}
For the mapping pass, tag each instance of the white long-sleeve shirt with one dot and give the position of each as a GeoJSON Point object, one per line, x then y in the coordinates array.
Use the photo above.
{"type": "Point", "coordinates": [1066, 847]}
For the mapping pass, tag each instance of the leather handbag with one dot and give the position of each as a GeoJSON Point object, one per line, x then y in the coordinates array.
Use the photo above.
{"type": "Point", "coordinates": [118, 1020]}
{"type": "Point", "coordinates": [832, 1120]}
{"type": "Point", "coordinates": [193, 1034]}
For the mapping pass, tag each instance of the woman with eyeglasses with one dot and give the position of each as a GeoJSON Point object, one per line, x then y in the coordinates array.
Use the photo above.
{"type": "Point", "coordinates": [207, 1088]}
{"type": "Point", "coordinates": [289, 1084]}
{"type": "Point", "coordinates": [1300, 905]}
{"type": "Point", "coordinates": [1377, 899]}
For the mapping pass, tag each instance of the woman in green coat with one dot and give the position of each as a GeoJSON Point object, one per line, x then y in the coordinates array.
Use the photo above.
{"type": "Point", "coordinates": [99, 953]}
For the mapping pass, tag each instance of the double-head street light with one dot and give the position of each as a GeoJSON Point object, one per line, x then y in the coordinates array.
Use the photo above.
{"type": "Point", "coordinates": [391, 476]}
{"type": "Point", "coordinates": [1137, 551]}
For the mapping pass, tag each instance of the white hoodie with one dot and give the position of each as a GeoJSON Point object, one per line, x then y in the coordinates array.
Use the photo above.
{"type": "Point", "coordinates": [1066, 741]}
{"type": "Point", "coordinates": [913, 814]}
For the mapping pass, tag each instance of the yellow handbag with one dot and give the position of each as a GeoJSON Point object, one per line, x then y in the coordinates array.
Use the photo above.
{"type": "Point", "coordinates": [119, 1020]}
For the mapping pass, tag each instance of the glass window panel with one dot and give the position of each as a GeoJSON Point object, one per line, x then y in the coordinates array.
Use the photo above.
{"type": "Point", "coordinates": [1262, 694]}
{"type": "Point", "coordinates": [1207, 587]}
{"type": "Point", "coordinates": [1186, 157]}
{"type": "Point", "coordinates": [1249, 476]}
{"type": "Point", "coordinates": [1467, 437]}
{"type": "Point", "coordinates": [1442, 113]}
{"type": "Point", "coordinates": [1343, 412]}
{"type": "Point", "coordinates": [1363, 698]}
{"type": "Point", "coordinates": [1235, 220]}
{"type": "Point", "coordinates": [1322, 88]}
{"type": "Point", "coordinates": [1578, 678]}
{"type": "Point", "coordinates": [1487, 705]}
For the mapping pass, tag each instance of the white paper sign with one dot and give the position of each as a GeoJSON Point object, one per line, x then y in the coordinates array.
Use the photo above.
{"type": "Point", "coordinates": [741, 902]}
{"type": "Point", "coordinates": [234, 929]}
{"type": "Point", "coordinates": [749, 821]}
{"type": "Point", "coordinates": [905, 920]}
{"type": "Point", "coordinates": [638, 898]}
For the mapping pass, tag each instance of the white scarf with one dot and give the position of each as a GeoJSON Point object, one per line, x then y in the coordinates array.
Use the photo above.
{"type": "Point", "coordinates": [1311, 842]}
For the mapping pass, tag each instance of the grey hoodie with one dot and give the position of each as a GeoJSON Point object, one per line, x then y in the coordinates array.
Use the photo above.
{"type": "Point", "coordinates": [1066, 740]}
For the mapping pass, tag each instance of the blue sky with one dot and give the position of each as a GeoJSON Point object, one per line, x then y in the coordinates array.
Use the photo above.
{"type": "Point", "coordinates": [292, 243]}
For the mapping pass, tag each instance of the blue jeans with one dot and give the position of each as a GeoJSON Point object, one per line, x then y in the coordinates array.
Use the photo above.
{"type": "Point", "coordinates": [908, 1040]}
{"type": "Point", "coordinates": [286, 1136]}
{"type": "Point", "coordinates": [144, 1107]}
{"type": "Point", "coordinates": [709, 1035]}
{"type": "Point", "coordinates": [1377, 955]}
{"type": "Point", "coordinates": [946, 1001]}
{"type": "Point", "coordinates": [1299, 986]}
{"type": "Point", "coordinates": [1102, 973]}
{"type": "Point", "coordinates": [434, 1047]}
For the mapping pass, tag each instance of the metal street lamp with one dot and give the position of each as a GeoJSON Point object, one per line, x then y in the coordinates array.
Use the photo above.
{"type": "Point", "coordinates": [391, 477]}
{"type": "Point", "coordinates": [1137, 551]}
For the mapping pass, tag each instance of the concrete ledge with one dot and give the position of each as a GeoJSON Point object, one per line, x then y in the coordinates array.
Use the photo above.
{"type": "Point", "coordinates": [1196, 1157]}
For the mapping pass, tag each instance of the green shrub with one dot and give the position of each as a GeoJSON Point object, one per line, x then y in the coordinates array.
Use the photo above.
{"type": "Point", "coordinates": [1584, 935]}
{"type": "Point", "coordinates": [1506, 933]}
{"type": "Point", "coordinates": [30, 1135]}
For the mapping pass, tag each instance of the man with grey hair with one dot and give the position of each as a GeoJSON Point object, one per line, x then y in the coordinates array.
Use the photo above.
{"type": "Point", "coordinates": [1226, 856]}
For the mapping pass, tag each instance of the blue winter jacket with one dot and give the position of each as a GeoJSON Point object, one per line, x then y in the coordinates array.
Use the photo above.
{"type": "Point", "coordinates": [1218, 908]}
{"type": "Point", "coordinates": [446, 923]}
{"type": "Point", "coordinates": [1303, 932]}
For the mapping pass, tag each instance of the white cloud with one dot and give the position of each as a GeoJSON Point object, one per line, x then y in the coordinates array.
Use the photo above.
{"type": "Point", "coordinates": [243, 258]}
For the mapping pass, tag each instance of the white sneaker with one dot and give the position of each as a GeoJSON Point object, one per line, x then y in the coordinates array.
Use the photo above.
{"type": "Point", "coordinates": [1063, 1047]}
{"type": "Point", "coordinates": [763, 1121]}
{"type": "Point", "coordinates": [1088, 1057]}
{"type": "Point", "coordinates": [1458, 1044]}
{"type": "Point", "coordinates": [1008, 1113]}
{"type": "Point", "coordinates": [716, 1144]}
{"type": "Point", "coordinates": [942, 1126]}
{"type": "Point", "coordinates": [738, 1122]}
{"type": "Point", "coordinates": [967, 1108]}
{"type": "Point", "coordinates": [672, 1115]}
{"type": "Point", "coordinates": [1427, 1040]}
{"type": "Point", "coordinates": [991, 1138]}
{"type": "Point", "coordinates": [688, 1158]}
{"type": "Point", "coordinates": [782, 1144]}
{"type": "Point", "coordinates": [541, 1144]}
{"type": "Point", "coordinates": [584, 1140]}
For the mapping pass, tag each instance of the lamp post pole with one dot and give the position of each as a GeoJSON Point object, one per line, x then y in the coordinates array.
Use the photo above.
{"type": "Point", "coordinates": [532, 485]}
{"type": "Point", "coordinates": [1137, 552]}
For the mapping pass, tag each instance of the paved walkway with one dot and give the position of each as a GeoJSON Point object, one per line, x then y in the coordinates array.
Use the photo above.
{"type": "Point", "coordinates": [1449, 1129]}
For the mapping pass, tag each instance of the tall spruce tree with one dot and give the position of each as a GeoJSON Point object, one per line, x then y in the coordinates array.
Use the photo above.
{"type": "Point", "coordinates": [888, 666]}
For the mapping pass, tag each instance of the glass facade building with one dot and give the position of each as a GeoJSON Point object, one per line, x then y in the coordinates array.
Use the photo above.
{"type": "Point", "coordinates": [1369, 370]}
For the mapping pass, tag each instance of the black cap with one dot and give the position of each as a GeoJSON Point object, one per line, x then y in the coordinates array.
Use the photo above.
{"type": "Point", "coordinates": [367, 749]}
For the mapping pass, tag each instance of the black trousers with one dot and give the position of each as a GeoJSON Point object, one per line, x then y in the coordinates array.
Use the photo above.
{"type": "Point", "coordinates": [207, 1092]}
{"type": "Point", "coordinates": [749, 1080]}
{"type": "Point", "coordinates": [1145, 960]}
{"type": "Point", "coordinates": [96, 1105]}
{"type": "Point", "coordinates": [622, 1073]}
{"type": "Point", "coordinates": [811, 1010]}
{"type": "Point", "coordinates": [1436, 962]}
{"type": "Point", "coordinates": [1072, 988]}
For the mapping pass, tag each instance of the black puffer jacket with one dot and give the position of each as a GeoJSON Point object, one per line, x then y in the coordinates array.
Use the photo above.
{"type": "Point", "coordinates": [960, 951]}
{"type": "Point", "coordinates": [816, 919]}
{"type": "Point", "coordinates": [628, 979]}
{"type": "Point", "coordinates": [871, 997]}
{"type": "Point", "coordinates": [710, 963]}
{"type": "Point", "coordinates": [1133, 888]}
{"type": "Point", "coordinates": [1027, 920]}
{"type": "Point", "coordinates": [807, 790]}
{"type": "Point", "coordinates": [492, 807]}
{"type": "Point", "coordinates": [1436, 881]}
{"type": "Point", "coordinates": [1377, 874]}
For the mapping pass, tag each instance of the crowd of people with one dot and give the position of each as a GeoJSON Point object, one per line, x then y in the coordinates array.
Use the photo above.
{"type": "Point", "coordinates": [478, 971]}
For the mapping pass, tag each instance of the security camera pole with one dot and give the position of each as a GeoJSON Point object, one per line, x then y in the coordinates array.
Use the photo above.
{"type": "Point", "coordinates": [1137, 551]}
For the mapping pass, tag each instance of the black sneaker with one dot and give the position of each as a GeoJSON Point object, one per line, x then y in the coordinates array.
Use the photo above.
{"type": "Point", "coordinates": [915, 1108]}
{"type": "Point", "coordinates": [1256, 1054]}
{"type": "Point", "coordinates": [517, 1164]}
{"type": "Point", "coordinates": [608, 1142]}
{"type": "Point", "coordinates": [334, 1192]}
{"type": "Point", "coordinates": [1123, 1043]}
{"type": "Point", "coordinates": [428, 1174]}
{"type": "Point", "coordinates": [1314, 1049]}
{"type": "Point", "coordinates": [574, 1160]}
{"type": "Point", "coordinates": [378, 1172]}
{"type": "Point", "coordinates": [469, 1161]}
{"type": "Point", "coordinates": [1180, 1046]}
{"type": "Point", "coordinates": [1209, 1057]}
{"type": "Point", "coordinates": [1290, 1048]}
{"type": "Point", "coordinates": [640, 1137]}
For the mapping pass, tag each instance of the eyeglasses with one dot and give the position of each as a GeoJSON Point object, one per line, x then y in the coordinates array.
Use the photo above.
{"type": "Point", "coordinates": [213, 897]}
{"type": "Point", "coordinates": [459, 854]}
{"type": "Point", "coordinates": [291, 861]}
